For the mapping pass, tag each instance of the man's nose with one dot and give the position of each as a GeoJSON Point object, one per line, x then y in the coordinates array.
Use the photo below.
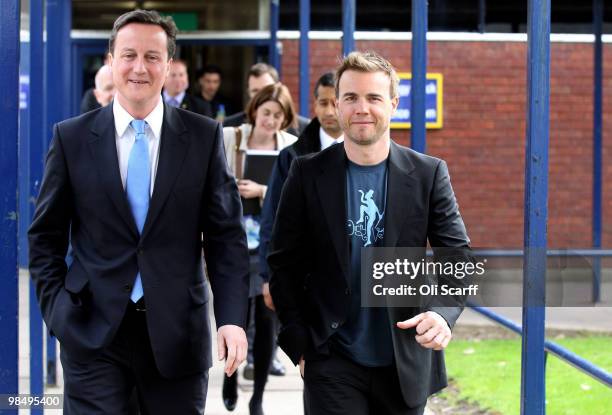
{"type": "Point", "coordinates": [362, 106]}
{"type": "Point", "coordinates": [139, 65]}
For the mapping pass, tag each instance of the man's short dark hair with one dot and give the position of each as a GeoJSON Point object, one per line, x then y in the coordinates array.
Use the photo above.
{"type": "Point", "coordinates": [145, 17]}
{"type": "Point", "coordinates": [210, 69]}
{"type": "Point", "coordinates": [326, 80]}
{"type": "Point", "coordinates": [260, 69]}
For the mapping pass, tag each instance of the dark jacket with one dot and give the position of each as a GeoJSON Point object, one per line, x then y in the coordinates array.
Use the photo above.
{"type": "Point", "coordinates": [309, 142]}
{"type": "Point", "coordinates": [89, 101]}
{"type": "Point", "coordinates": [195, 205]}
{"type": "Point", "coordinates": [197, 105]}
{"type": "Point", "coordinates": [310, 261]}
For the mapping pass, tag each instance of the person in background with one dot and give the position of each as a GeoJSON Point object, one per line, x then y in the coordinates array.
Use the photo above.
{"type": "Point", "coordinates": [103, 91]}
{"type": "Point", "coordinates": [268, 114]}
{"type": "Point", "coordinates": [209, 79]}
{"type": "Point", "coordinates": [261, 75]}
{"type": "Point", "coordinates": [175, 91]}
{"type": "Point", "coordinates": [105, 88]}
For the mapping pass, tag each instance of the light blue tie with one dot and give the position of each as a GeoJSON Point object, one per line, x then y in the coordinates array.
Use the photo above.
{"type": "Point", "coordinates": [138, 187]}
{"type": "Point", "coordinates": [173, 102]}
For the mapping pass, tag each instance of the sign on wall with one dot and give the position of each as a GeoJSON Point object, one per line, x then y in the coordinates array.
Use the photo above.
{"type": "Point", "coordinates": [433, 101]}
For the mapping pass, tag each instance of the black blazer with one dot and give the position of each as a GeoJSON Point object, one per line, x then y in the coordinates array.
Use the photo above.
{"type": "Point", "coordinates": [310, 263]}
{"type": "Point", "coordinates": [197, 105]}
{"type": "Point", "coordinates": [195, 204]}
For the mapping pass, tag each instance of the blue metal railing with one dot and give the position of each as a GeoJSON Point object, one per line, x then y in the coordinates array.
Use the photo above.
{"type": "Point", "coordinates": [567, 356]}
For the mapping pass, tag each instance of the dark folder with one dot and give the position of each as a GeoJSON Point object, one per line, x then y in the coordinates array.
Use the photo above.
{"type": "Point", "coordinates": [257, 167]}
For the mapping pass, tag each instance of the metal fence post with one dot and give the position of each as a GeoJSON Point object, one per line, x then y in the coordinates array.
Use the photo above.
{"type": "Point", "coordinates": [419, 74]}
{"type": "Point", "coordinates": [597, 143]}
{"type": "Point", "coordinates": [536, 208]}
{"type": "Point", "coordinates": [304, 58]}
{"type": "Point", "coordinates": [348, 26]}
{"type": "Point", "coordinates": [9, 116]}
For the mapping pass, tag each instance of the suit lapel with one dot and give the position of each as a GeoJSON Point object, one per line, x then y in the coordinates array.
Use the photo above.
{"type": "Point", "coordinates": [172, 152]}
{"type": "Point", "coordinates": [331, 188]}
{"type": "Point", "coordinates": [400, 188]}
{"type": "Point", "coordinates": [104, 154]}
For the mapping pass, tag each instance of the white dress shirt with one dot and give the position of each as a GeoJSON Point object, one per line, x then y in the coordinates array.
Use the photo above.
{"type": "Point", "coordinates": [327, 140]}
{"type": "Point", "coordinates": [125, 136]}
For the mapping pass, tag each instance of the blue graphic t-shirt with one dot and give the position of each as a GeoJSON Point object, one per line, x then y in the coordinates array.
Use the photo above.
{"type": "Point", "coordinates": [366, 336]}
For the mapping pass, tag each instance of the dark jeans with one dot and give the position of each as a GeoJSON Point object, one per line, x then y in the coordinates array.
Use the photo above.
{"type": "Point", "coordinates": [104, 385]}
{"type": "Point", "coordinates": [336, 385]}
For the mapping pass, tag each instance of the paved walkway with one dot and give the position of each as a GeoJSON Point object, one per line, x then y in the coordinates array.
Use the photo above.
{"type": "Point", "coordinates": [284, 394]}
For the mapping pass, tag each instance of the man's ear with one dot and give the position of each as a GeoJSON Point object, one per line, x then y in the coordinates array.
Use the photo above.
{"type": "Point", "coordinates": [170, 62]}
{"type": "Point", "coordinates": [394, 104]}
{"type": "Point", "coordinates": [97, 95]}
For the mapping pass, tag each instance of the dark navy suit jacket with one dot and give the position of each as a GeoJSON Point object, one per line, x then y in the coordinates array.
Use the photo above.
{"type": "Point", "coordinates": [195, 205]}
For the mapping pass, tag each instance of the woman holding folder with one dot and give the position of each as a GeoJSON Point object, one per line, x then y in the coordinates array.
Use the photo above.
{"type": "Point", "coordinates": [268, 114]}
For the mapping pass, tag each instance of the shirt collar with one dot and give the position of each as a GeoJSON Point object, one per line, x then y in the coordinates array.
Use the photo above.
{"type": "Point", "coordinates": [178, 98]}
{"type": "Point", "coordinates": [123, 118]}
{"type": "Point", "coordinates": [327, 140]}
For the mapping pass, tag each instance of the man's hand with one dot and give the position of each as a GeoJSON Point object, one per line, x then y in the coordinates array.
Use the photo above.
{"type": "Point", "coordinates": [232, 345]}
{"type": "Point", "coordinates": [432, 330]}
{"type": "Point", "coordinates": [267, 296]}
{"type": "Point", "coordinates": [302, 363]}
{"type": "Point", "coordinates": [249, 189]}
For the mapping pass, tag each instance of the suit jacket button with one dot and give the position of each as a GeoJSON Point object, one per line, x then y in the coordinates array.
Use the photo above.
{"type": "Point", "coordinates": [140, 251]}
{"type": "Point", "coordinates": [127, 288]}
{"type": "Point", "coordinates": [347, 291]}
{"type": "Point", "coordinates": [334, 325]}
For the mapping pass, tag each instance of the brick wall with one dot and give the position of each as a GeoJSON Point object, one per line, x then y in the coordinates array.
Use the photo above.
{"type": "Point", "coordinates": [483, 137]}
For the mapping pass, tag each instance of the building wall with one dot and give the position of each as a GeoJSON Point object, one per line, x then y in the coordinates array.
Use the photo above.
{"type": "Point", "coordinates": [483, 136]}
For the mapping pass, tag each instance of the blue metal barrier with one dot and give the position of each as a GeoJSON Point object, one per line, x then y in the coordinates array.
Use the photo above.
{"type": "Point", "coordinates": [536, 213]}
{"type": "Point", "coordinates": [419, 73]}
{"type": "Point", "coordinates": [36, 139]}
{"type": "Point", "coordinates": [597, 143]}
{"type": "Point", "coordinates": [274, 56]}
{"type": "Point", "coordinates": [348, 26]}
{"type": "Point", "coordinates": [304, 58]}
{"type": "Point", "coordinates": [9, 113]}
{"type": "Point", "coordinates": [57, 73]}
{"type": "Point", "coordinates": [571, 358]}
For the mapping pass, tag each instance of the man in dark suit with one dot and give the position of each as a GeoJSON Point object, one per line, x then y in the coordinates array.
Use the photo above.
{"type": "Point", "coordinates": [322, 132]}
{"type": "Point", "coordinates": [367, 192]}
{"type": "Point", "coordinates": [175, 91]}
{"type": "Point", "coordinates": [260, 76]}
{"type": "Point", "coordinates": [139, 188]}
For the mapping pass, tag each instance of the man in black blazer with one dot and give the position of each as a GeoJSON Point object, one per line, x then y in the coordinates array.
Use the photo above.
{"type": "Point", "coordinates": [139, 188]}
{"type": "Point", "coordinates": [367, 192]}
{"type": "Point", "coordinates": [175, 91]}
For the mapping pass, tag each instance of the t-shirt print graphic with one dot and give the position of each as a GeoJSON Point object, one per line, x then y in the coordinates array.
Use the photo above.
{"type": "Point", "coordinates": [369, 225]}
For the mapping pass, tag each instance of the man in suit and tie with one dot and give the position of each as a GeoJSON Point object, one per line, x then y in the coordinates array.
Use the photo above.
{"type": "Point", "coordinates": [139, 188]}
{"type": "Point", "coordinates": [175, 91]}
{"type": "Point", "coordinates": [358, 360]}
